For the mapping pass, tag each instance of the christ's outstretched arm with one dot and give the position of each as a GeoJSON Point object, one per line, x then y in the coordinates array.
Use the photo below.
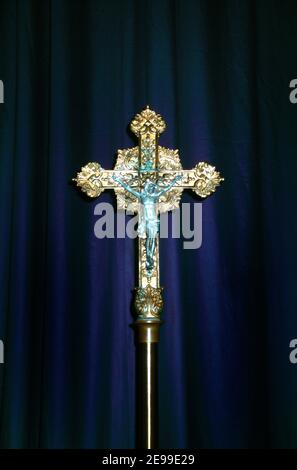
{"type": "Point", "coordinates": [166, 188]}
{"type": "Point", "coordinates": [126, 186]}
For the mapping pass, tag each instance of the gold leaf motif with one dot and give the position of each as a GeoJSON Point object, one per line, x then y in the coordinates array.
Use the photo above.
{"type": "Point", "coordinates": [147, 121]}
{"type": "Point", "coordinates": [127, 159]}
{"type": "Point", "coordinates": [89, 179]}
{"type": "Point", "coordinates": [169, 160]}
{"type": "Point", "coordinates": [207, 179]}
{"type": "Point", "coordinates": [148, 302]}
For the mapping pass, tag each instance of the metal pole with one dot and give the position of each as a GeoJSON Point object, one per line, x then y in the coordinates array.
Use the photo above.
{"type": "Point", "coordinates": [147, 337]}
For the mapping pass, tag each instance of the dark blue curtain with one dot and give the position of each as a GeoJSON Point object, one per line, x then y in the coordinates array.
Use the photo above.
{"type": "Point", "coordinates": [75, 73]}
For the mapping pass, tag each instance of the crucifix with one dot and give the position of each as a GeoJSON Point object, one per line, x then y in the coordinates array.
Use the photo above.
{"type": "Point", "coordinates": [148, 180]}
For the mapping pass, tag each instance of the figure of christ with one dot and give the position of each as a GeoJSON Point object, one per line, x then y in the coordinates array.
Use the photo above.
{"type": "Point", "coordinates": [149, 220]}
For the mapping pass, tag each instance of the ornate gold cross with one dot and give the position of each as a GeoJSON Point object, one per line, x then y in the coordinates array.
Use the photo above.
{"type": "Point", "coordinates": [148, 180]}
{"type": "Point", "coordinates": [148, 162]}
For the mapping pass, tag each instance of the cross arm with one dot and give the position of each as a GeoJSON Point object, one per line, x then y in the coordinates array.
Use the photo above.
{"type": "Point", "coordinates": [93, 179]}
{"type": "Point", "coordinates": [164, 189]}
{"type": "Point", "coordinates": [203, 179]}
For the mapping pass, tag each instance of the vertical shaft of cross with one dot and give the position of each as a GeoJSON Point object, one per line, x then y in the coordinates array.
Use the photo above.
{"type": "Point", "coordinates": [147, 322]}
{"type": "Point", "coordinates": [147, 128]}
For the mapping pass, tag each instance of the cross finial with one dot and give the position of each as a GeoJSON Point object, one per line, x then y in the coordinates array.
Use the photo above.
{"type": "Point", "coordinates": [147, 121]}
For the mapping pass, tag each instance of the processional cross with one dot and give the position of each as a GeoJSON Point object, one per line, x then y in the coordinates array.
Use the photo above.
{"type": "Point", "coordinates": [148, 180]}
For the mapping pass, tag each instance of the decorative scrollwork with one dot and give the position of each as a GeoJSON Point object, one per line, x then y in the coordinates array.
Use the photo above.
{"type": "Point", "coordinates": [147, 122]}
{"type": "Point", "coordinates": [148, 302]}
{"type": "Point", "coordinates": [89, 179]}
{"type": "Point", "coordinates": [169, 160]}
{"type": "Point", "coordinates": [207, 179]}
{"type": "Point", "coordinates": [127, 159]}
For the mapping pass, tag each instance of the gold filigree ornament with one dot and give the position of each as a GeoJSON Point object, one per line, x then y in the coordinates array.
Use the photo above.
{"type": "Point", "coordinates": [147, 121]}
{"type": "Point", "coordinates": [207, 179]}
{"type": "Point", "coordinates": [148, 302]}
{"type": "Point", "coordinates": [89, 179]}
